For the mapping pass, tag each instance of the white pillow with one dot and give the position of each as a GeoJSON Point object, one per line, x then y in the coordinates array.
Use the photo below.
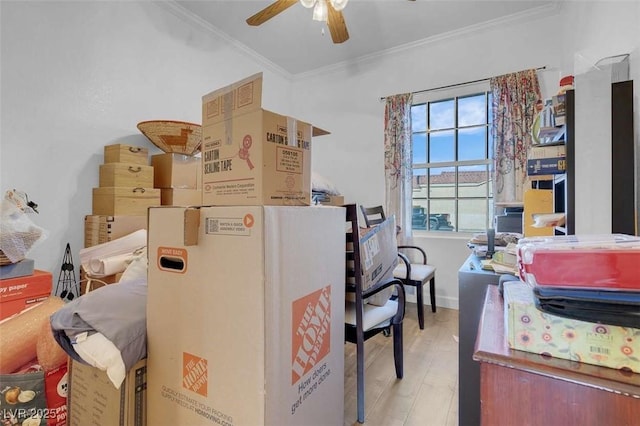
{"type": "Point", "coordinates": [137, 269]}
{"type": "Point", "coordinates": [101, 353]}
{"type": "Point", "coordinates": [321, 184]}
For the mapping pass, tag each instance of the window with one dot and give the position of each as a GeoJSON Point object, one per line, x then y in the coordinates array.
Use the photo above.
{"type": "Point", "coordinates": [452, 156]}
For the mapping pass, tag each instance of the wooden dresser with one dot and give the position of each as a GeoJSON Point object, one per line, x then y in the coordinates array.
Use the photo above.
{"type": "Point", "coordinates": [522, 388]}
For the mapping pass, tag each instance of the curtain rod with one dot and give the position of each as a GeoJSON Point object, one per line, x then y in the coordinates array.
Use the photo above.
{"type": "Point", "coordinates": [456, 85]}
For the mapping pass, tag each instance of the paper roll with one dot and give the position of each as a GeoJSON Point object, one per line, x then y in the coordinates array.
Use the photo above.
{"type": "Point", "coordinates": [109, 265]}
{"type": "Point", "coordinates": [126, 245]}
{"type": "Point", "coordinates": [19, 334]}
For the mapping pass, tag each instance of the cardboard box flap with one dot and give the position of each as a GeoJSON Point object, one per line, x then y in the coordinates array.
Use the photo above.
{"type": "Point", "coordinates": [191, 225]}
{"type": "Point", "coordinates": [238, 98]}
{"type": "Point", "coordinates": [317, 131]}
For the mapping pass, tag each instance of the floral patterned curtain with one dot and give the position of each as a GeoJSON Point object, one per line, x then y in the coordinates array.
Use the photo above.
{"type": "Point", "coordinates": [514, 100]}
{"type": "Point", "coordinates": [397, 162]}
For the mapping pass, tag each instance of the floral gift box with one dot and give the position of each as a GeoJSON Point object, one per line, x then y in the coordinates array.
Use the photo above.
{"type": "Point", "coordinates": [531, 330]}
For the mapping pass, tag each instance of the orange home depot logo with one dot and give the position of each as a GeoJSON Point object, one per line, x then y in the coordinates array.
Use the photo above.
{"type": "Point", "coordinates": [311, 331]}
{"type": "Point", "coordinates": [194, 373]}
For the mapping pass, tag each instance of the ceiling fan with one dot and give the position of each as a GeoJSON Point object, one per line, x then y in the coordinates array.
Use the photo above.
{"type": "Point", "coordinates": [329, 11]}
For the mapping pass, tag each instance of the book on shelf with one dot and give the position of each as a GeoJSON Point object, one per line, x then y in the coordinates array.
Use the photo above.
{"type": "Point", "coordinates": [546, 166]}
{"type": "Point", "coordinates": [547, 151]}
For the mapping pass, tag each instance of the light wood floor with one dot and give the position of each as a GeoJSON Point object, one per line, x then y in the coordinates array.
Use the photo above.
{"type": "Point", "coordinates": [428, 393]}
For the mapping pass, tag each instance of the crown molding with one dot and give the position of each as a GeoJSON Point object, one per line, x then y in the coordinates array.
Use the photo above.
{"type": "Point", "coordinates": [525, 16]}
{"type": "Point", "coordinates": [178, 10]}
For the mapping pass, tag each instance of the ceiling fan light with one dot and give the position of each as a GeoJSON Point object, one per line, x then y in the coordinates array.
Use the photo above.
{"type": "Point", "coordinates": [339, 4]}
{"type": "Point", "coordinates": [308, 3]}
{"type": "Point", "coordinates": [320, 11]}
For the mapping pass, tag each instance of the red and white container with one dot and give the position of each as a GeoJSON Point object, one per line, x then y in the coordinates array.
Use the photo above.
{"type": "Point", "coordinates": [604, 262]}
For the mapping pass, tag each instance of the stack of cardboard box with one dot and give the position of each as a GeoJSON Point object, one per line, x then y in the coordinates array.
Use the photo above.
{"type": "Point", "coordinates": [178, 178]}
{"type": "Point", "coordinates": [126, 190]}
{"type": "Point", "coordinates": [261, 275]}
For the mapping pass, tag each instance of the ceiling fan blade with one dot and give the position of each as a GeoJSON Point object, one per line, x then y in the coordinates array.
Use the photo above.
{"type": "Point", "coordinates": [270, 11]}
{"type": "Point", "coordinates": [336, 24]}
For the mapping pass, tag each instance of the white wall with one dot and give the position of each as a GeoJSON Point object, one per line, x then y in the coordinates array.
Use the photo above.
{"type": "Point", "coordinates": [346, 101]}
{"type": "Point", "coordinates": [77, 76]}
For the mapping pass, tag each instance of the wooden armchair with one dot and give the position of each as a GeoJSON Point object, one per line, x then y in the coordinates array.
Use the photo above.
{"type": "Point", "coordinates": [412, 274]}
{"type": "Point", "coordinates": [364, 320]}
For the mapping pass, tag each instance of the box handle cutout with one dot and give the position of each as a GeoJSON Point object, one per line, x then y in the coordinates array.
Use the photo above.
{"type": "Point", "coordinates": [172, 264]}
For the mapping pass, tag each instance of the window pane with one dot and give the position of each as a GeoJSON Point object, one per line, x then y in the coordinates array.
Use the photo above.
{"type": "Point", "coordinates": [441, 115]}
{"type": "Point", "coordinates": [472, 215]}
{"type": "Point", "coordinates": [442, 146]}
{"type": "Point", "coordinates": [441, 215]}
{"type": "Point", "coordinates": [419, 148]}
{"type": "Point", "coordinates": [472, 110]}
{"type": "Point", "coordinates": [472, 181]}
{"type": "Point", "coordinates": [442, 182]}
{"type": "Point", "coordinates": [471, 143]}
{"type": "Point", "coordinates": [419, 118]}
{"type": "Point", "coordinates": [419, 184]}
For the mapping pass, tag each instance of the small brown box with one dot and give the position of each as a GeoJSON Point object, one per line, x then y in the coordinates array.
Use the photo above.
{"type": "Point", "coordinates": [181, 197]}
{"type": "Point", "coordinates": [120, 153]}
{"type": "Point", "coordinates": [116, 201]}
{"type": "Point", "coordinates": [102, 229]}
{"type": "Point", "coordinates": [172, 170]}
{"type": "Point", "coordinates": [126, 174]}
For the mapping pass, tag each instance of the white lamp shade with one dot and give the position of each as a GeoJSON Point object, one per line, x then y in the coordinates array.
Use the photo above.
{"type": "Point", "coordinates": [320, 11]}
{"type": "Point", "coordinates": [339, 4]}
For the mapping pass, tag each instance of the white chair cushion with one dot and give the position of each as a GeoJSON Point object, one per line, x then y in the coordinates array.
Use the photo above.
{"type": "Point", "coordinates": [419, 272]}
{"type": "Point", "coordinates": [372, 315]}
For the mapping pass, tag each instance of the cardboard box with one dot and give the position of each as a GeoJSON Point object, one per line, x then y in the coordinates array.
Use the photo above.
{"type": "Point", "coordinates": [329, 200]}
{"type": "Point", "coordinates": [251, 156]}
{"type": "Point", "coordinates": [23, 268]}
{"type": "Point", "coordinates": [256, 297]}
{"type": "Point", "coordinates": [173, 170]}
{"type": "Point", "coordinates": [94, 400]}
{"type": "Point", "coordinates": [102, 229]}
{"type": "Point", "coordinates": [120, 153]}
{"type": "Point", "coordinates": [180, 197]}
{"type": "Point", "coordinates": [18, 294]}
{"type": "Point", "coordinates": [121, 201]}
{"type": "Point", "coordinates": [126, 174]}
{"type": "Point", "coordinates": [537, 201]}
{"type": "Point", "coordinates": [531, 330]}
{"type": "Point", "coordinates": [49, 403]}
{"type": "Point", "coordinates": [379, 257]}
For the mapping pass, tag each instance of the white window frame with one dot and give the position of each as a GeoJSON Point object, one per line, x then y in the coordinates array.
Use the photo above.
{"type": "Point", "coordinates": [449, 93]}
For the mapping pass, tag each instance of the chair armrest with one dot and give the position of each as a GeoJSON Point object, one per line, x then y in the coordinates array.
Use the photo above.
{"type": "Point", "coordinates": [424, 254]}
{"type": "Point", "coordinates": [407, 264]}
{"type": "Point", "coordinates": [399, 316]}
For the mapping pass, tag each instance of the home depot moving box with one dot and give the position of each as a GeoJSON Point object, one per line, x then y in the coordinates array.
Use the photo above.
{"type": "Point", "coordinates": [251, 156]}
{"type": "Point", "coordinates": [245, 315]}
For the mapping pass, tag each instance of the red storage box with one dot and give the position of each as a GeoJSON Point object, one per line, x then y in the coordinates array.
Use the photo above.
{"type": "Point", "coordinates": [18, 294]}
{"type": "Point", "coordinates": [607, 262]}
